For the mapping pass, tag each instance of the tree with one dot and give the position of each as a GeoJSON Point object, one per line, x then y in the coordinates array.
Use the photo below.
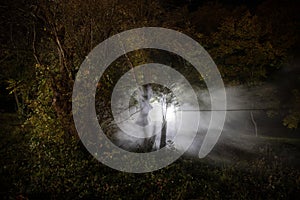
{"type": "Point", "coordinates": [243, 50]}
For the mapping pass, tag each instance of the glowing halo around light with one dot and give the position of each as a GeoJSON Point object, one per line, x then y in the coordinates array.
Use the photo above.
{"type": "Point", "coordinates": [83, 97]}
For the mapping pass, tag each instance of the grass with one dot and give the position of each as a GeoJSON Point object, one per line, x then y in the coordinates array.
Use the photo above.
{"type": "Point", "coordinates": [269, 171]}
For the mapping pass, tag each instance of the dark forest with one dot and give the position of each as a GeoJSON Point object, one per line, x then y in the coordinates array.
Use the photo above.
{"type": "Point", "coordinates": [44, 45]}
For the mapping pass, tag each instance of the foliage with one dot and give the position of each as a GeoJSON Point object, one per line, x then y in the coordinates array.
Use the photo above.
{"type": "Point", "coordinates": [243, 51]}
{"type": "Point", "coordinates": [293, 118]}
{"type": "Point", "coordinates": [42, 46]}
{"type": "Point", "coordinates": [55, 168]}
{"type": "Point", "coordinates": [210, 16]}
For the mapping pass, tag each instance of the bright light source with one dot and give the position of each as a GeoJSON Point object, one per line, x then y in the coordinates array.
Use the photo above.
{"type": "Point", "coordinates": [171, 113]}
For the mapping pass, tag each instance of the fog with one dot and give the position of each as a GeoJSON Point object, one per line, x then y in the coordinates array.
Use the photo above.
{"type": "Point", "coordinates": [248, 118]}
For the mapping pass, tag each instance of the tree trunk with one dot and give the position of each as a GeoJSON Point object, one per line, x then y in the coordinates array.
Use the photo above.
{"type": "Point", "coordinates": [145, 106]}
{"type": "Point", "coordinates": [254, 123]}
{"type": "Point", "coordinates": [163, 137]}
